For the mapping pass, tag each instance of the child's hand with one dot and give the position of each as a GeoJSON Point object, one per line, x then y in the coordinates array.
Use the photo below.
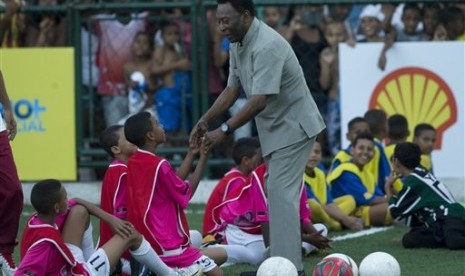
{"type": "Point", "coordinates": [121, 227]}
{"type": "Point", "coordinates": [318, 240]}
{"type": "Point", "coordinates": [351, 42]}
{"type": "Point", "coordinates": [184, 64]}
{"type": "Point", "coordinates": [382, 61]}
{"type": "Point", "coordinates": [204, 150]}
{"type": "Point", "coordinates": [194, 148]}
{"type": "Point", "coordinates": [327, 56]}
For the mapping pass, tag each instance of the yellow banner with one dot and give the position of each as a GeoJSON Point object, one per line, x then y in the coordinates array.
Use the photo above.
{"type": "Point", "coordinates": [40, 83]}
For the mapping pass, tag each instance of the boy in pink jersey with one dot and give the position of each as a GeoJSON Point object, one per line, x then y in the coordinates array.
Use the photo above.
{"type": "Point", "coordinates": [246, 155]}
{"type": "Point", "coordinates": [158, 195]}
{"type": "Point", "coordinates": [114, 187]}
{"type": "Point", "coordinates": [45, 250]}
{"type": "Point", "coordinates": [245, 213]}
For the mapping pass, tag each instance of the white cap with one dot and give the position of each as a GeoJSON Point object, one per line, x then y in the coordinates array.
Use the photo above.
{"type": "Point", "coordinates": [372, 11]}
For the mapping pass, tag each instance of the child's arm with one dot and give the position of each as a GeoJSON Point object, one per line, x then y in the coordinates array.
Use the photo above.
{"type": "Point", "coordinates": [185, 168]}
{"type": "Point", "coordinates": [197, 174]}
{"type": "Point", "coordinates": [120, 227]}
{"type": "Point", "coordinates": [326, 60]}
{"type": "Point", "coordinates": [161, 67]}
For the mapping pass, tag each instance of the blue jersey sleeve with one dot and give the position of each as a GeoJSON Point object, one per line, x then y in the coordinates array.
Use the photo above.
{"type": "Point", "coordinates": [350, 184]}
{"type": "Point", "coordinates": [310, 194]}
{"type": "Point", "coordinates": [329, 197]}
{"type": "Point", "coordinates": [384, 169]}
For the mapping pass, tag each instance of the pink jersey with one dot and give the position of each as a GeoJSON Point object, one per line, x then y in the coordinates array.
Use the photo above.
{"type": "Point", "coordinates": [157, 198]}
{"type": "Point", "coordinates": [246, 207]}
{"type": "Point", "coordinates": [113, 197]}
{"type": "Point", "coordinates": [211, 220]}
{"type": "Point", "coordinates": [115, 40]}
{"type": "Point", "coordinates": [44, 253]}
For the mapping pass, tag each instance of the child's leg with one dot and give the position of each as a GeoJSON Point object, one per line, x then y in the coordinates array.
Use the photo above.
{"type": "Point", "coordinates": [75, 225]}
{"type": "Point", "coordinates": [319, 214]}
{"type": "Point", "coordinates": [196, 238]}
{"type": "Point", "coordinates": [209, 267]}
{"type": "Point", "coordinates": [218, 255]}
{"type": "Point", "coordinates": [346, 203]}
{"type": "Point", "coordinates": [420, 237]}
{"type": "Point", "coordinates": [88, 247]}
{"type": "Point", "coordinates": [454, 233]}
{"type": "Point", "coordinates": [253, 253]}
{"type": "Point", "coordinates": [380, 215]}
{"type": "Point", "coordinates": [143, 253]}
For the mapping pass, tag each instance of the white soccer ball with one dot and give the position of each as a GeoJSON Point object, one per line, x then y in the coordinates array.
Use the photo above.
{"type": "Point", "coordinates": [348, 260]}
{"type": "Point", "coordinates": [379, 263]}
{"type": "Point", "coordinates": [277, 266]}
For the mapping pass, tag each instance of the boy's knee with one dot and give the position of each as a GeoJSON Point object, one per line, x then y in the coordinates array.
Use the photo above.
{"type": "Point", "coordinates": [408, 242]}
{"type": "Point", "coordinates": [79, 211]}
{"type": "Point", "coordinates": [135, 240]}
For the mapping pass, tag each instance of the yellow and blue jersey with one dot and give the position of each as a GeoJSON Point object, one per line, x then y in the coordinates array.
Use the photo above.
{"type": "Point", "coordinates": [317, 188]}
{"type": "Point", "coordinates": [348, 179]}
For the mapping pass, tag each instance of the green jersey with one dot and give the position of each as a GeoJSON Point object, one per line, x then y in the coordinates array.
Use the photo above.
{"type": "Point", "coordinates": [426, 198]}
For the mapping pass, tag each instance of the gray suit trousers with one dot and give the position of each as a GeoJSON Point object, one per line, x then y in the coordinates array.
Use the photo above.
{"type": "Point", "coordinates": [285, 169]}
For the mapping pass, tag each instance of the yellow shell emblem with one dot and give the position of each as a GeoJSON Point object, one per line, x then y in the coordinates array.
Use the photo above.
{"type": "Point", "coordinates": [418, 94]}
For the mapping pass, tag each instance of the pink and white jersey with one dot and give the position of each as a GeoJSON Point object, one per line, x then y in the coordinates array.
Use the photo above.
{"type": "Point", "coordinates": [115, 39]}
{"type": "Point", "coordinates": [157, 198]}
{"type": "Point", "coordinates": [44, 253]}
{"type": "Point", "coordinates": [113, 197]}
{"type": "Point", "coordinates": [246, 207]}
{"type": "Point", "coordinates": [234, 179]}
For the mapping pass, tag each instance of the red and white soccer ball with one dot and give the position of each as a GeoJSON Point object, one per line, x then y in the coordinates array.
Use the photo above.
{"type": "Point", "coordinates": [277, 266]}
{"type": "Point", "coordinates": [379, 263]}
{"type": "Point", "coordinates": [336, 264]}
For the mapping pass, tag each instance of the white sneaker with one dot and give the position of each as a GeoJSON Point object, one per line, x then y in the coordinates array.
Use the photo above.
{"type": "Point", "coordinates": [193, 270]}
{"type": "Point", "coordinates": [7, 264]}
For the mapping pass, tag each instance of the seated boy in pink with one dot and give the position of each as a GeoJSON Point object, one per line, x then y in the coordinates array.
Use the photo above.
{"type": "Point", "coordinates": [158, 195]}
{"type": "Point", "coordinates": [244, 214]}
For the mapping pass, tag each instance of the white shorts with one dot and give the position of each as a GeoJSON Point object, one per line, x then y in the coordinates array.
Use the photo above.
{"type": "Point", "coordinates": [206, 263]}
{"type": "Point", "coordinates": [234, 235]}
{"type": "Point", "coordinates": [98, 263]}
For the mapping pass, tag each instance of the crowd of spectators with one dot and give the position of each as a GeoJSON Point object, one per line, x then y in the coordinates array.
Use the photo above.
{"type": "Point", "coordinates": [142, 60]}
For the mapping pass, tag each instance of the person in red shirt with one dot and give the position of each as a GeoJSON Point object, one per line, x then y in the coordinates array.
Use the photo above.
{"type": "Point", "coordinates": [247, 156]}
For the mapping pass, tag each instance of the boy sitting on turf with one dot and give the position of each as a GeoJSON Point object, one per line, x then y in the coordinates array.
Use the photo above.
{"type": "Point", "coordinates": [114, 184]}
{"type": "Point", "coordinates": [335, 213]}
{"type": "Point", "coordinates": [426, 199]}
{"type": "Point", "coordinates": [353, 178]}
{"type": "Point", "coordinates": [247, 156]}
{"type": "Point", "coordinates": [158, 195]}
{"type": "Point", "coordinates": [45, 250]}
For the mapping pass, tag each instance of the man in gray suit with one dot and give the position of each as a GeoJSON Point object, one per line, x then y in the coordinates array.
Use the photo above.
{"type": "Point", "coordinates": [287, 118]}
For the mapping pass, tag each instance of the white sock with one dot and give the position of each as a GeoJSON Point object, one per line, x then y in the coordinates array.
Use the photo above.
{"type": "Point", "coordinates": [88, 247]}
{"type": "Point", "coordinates": [196, 238]}
{"type": "Point", "coordinates": [148, 257]}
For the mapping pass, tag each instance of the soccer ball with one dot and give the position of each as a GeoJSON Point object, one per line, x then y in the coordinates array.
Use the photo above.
{"type": "Point", "coordinates": [277, 266]}
{"type": "Point", "coordinates": [379, 263]}
{"type": "Point", "coordinates": [336, 264]}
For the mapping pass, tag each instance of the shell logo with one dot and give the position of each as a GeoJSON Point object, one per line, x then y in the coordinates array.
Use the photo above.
{"type": "Point", "coordinates": [420, 95]}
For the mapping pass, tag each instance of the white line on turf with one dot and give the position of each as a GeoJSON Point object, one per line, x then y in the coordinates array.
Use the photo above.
{"type": "Point", "coordinates": [362, 233]}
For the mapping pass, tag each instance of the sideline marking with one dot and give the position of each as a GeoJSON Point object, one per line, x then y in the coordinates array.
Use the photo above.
{"type": "Point", "coordinates": [362, 233]}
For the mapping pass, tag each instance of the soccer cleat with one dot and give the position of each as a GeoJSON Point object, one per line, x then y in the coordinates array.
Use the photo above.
{"type": "Point", "coordinates": [7, 264]}
{"type": "Point", "coordinates": [193, 270]}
